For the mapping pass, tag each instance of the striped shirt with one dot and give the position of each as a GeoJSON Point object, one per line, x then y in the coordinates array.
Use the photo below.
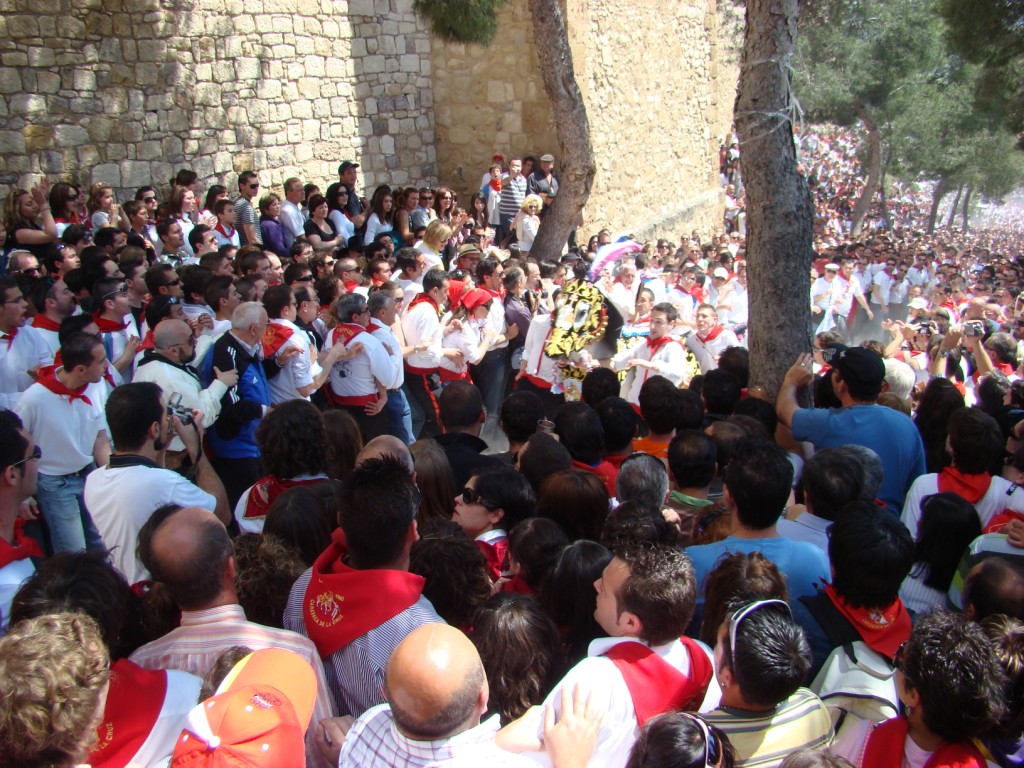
{"type": "Point", "coordinates": [513, 192]}
{"type": "Point", "coordinates": [764, 739]}
{"type": "Point", "coordinates": [355, 673]}
{"type": "Point", "coordinates": [204, 635]}
{"type": "Point", "coordinates": [375, 742]}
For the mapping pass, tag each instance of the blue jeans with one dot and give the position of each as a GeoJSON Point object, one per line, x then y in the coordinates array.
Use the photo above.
{"type": "Point", "coordinates": [399, 416]}
{"type": "Point", "coordinates": [62, 502]}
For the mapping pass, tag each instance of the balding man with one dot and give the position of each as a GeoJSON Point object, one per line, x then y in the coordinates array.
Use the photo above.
{"type": "Point", "coordinates": [189, 552]}
{"type": "Point", "coordinates": [359, 601]}
{"type": "Point", "coordinates": [168, 364]}
{"type": "Point", "coordinates": [387, 445]}
{"type": "Point", "coordinates": [436, 691]}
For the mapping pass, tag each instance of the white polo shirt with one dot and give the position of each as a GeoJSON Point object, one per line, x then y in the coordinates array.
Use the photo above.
{"type": "Point", "coordinates": [65, 430]}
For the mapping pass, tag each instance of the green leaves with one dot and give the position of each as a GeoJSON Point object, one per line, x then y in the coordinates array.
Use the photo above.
{"type": "Point", "coordinates": [462, 21]}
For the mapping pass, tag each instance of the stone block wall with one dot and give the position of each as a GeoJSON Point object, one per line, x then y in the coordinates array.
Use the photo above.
{"type": "Point", "coordinates": [128, 91]}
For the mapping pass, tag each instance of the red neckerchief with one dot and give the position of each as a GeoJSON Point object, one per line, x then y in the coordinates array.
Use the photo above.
{"type": "Point", "coordinates": [517, 586]}
{"type": "Point", "coordinates": [149, 342]}
{"type": "Point", "coordinates": [496, 553]}
{"type": "Point", "coordinates": [655, 686]}
{"type": "Point", "coordinates": [883, 630]}
{"type": "Point", "coordinates": [713, 334]}
{"type": "Point", "coordinates": [49, 379]}
{"type": "Point", "coordinates": [224, 231]}
{"type": "Point", "coordinates": [655, 344]}
{"type": "Point", "coordinates": [274, 338]}
{"type": "Point", "coordinates": [21, 548]}
{"type": "Point", "coordinates": [9, 337]}
{"type": "Point", "coordinates": [345, 332]}
{"type": "Point", "coordinates": [351, 285]}
{"type": "Point", "coordinates": [133, 707]}
{"type": "Point", "coordinates": [699, 294]}
{"type": "Point", "coordinates": [267, 489]}
{"type": "Point", "coordinates": [421, 298]}
{"type": "Point", "coordinates": [885, 745]}
{"type": "Point", "coordinates": [108, 326]}
{"type": "Point", "coordinates": [341, 603]}
{"type": "Point", "coordinates": [496, 185]}
{"type": "Point", "coordinates": [376, 282]}
{"type": "Point", "coordinates": [969, 487]}
{"type": "Point", "coordinates": [496, 294]}
{"type": "Point", "coordinates": [44, 323]}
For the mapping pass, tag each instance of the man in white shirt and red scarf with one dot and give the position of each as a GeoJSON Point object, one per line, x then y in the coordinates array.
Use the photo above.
{"type": "Point", "coordinates": [23, 351]}
{"type": "Point", "coordinates": [661, 355]}
{"type": "Point", "coordinates": [359, 601]}
{"type": "Point", "coordinates": [645, 598]}
{"type": "Point", "coordinates": [18, 470]}
{"type": "Point", "coordinates": [120, 337]}
{"type": "Point", "coordinates": [358, 384]}
{"type": "Point", "coordinates": [711, 339]}
{"type": "Point", "coordinates": [54, 302]}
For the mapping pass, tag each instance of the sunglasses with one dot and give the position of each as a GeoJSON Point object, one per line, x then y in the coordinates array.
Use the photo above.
{"type": "Point", "coordinates": [254, 186]}
{"type": "Point", "coordinates": [470, 496]}
{"type": "Point", "coordinates": [173, 283]}
{"type": "Point", "coordinates": [72, 198]}
{"type": "Point", "coordinates": [740, 615]}
{"type": "Point", "coordinates": [37, 453]}
{"type": "Point", "coordinates": [149, 199]}
{"type": "Point", "coordinates": [304, 279]}
{"type": "Point", "coordinates": [122, 289]}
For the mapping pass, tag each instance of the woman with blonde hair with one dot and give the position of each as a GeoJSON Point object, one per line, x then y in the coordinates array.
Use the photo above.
{"type": "Point", "coordinates": [528, 222]}
{"type": "Point", "coordinates": [434, 240]}
{"type": "Point", "coordinates": [28, 221]}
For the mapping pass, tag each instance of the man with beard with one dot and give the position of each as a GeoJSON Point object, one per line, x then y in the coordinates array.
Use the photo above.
{"type": "Point", "coordinates": [123, 494]}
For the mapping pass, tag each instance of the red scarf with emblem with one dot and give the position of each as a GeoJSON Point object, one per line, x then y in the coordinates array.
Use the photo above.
{"type": "Point", "coordinates": [49, 379]}
{"type": "Point", "coordinates": [44, 323]}
{"type": "Point", "coordinates": [655, 686]}
{"type": "Point", "coordinates": [133, 707]}
{"type": "Point", "coordinates": [883, 630]}
{"type": "Point", "coordinates": [267, 489]}
{"type": "Point", "coordinates": [275, 337]}
{"type": "Point", "coordinates": [713, 334]}
{"type": "Point", "coordinates": [345, 332]}
{"type": "Point", "coordinates": [885, 745]}
{"type": "Point", "coordinates": [21, 548]}
{"type": "Point", "coordinates": [108, 326]}
{"type": "Point", "coordinates": [341, 603]}
{"type": "Point", "coordinates": [969, 487]}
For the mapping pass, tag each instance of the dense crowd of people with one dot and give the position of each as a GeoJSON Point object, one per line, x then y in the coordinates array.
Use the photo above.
{"type": "Point", "coordinates": [317, 477]}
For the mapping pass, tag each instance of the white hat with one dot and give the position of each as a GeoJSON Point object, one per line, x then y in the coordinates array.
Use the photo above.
{"type": "Point", "coordinates": [830, 267]}
{"type": "Point", "coordinates": [918, 303]}
{"type": "Point", "coordinates": [721, 272]}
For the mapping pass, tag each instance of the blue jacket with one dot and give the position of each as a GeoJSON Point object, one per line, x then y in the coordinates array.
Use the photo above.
{"type": "Point", "coordinates": [233, 435]}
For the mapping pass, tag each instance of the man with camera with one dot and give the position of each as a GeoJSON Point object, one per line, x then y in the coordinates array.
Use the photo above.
{"type": "Point", "coordinates": [123, 494]}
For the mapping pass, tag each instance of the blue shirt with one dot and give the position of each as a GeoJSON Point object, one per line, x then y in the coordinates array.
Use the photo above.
{"type": "Point", "coordinates": [889, 433]}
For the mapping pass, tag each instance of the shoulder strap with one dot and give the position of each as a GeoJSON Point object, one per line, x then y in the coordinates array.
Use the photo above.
{"type": "Point", "coordinates": [838, 630]}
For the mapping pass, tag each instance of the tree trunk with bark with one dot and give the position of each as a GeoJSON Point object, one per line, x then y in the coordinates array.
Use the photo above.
{"type": "Point", "coordinates": [954, 206]}
{"type": "Point", "coordinates": [572, 127]}
{"type": "Point", "coordinates": [967, 203]}
{"type": "Point", "coordinates": [941, 188]}
{"type": "Point", "coordinates": [779, 207]}
{"type": "Point", "coordinates": [867, 194]}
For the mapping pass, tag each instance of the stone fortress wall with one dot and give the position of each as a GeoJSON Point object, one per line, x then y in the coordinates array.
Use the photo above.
{"type": "Point", "coordinates": [128, 91]}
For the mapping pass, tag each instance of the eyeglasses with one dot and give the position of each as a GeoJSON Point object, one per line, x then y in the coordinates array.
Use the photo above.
{"type": "Point", "coordinates": [254, 186]}
{"type": "Point", "coordinates": [470, 496]}
{"type": "Point", "coordinates": [37, 453]}
{"type": "Point", "coordinates": [706, 733]}
{"type": "Point", "coordinates": [446, 197]}
{"type": "Point", "coordinates": [172, 283]}
{"type": "Point", "coordinates": [121, 289]}
{"type": "Point", "coordinates": [897, 659]}
{"type": "Point", "coordinates": [145, 199]}
{"type": "Point", "coordinates": [30, 271]}
{"type": "Point", "coordinates": [740, 615]}
{"type": "Point", "coordinates": [72, 198]}
{"type": "Point", "coordinates": [304, 279]}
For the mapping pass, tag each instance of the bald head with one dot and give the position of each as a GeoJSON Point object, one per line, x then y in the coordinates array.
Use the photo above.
{"type": "Point", "coordinates": [189, 551]}
{"type": "Point", "coordinates": [386, 445]}
{"type": "Point", "coordinates": [170, 332]}
{"type": "Point", "coordinates": [435, 683]}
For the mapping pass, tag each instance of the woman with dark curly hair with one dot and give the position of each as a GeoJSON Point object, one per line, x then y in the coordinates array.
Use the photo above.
{"type": "Point", "coordinates": [938, 402]}
{"type": "Point", "coordinates": [291, 442]}
{"type": "Point", "coordinates": [266, 568]}
{"type": "Point", "coordinates": [518, 645]}
{"type": "Point", "coordinates": [343, 442]}
{"type": "Point", "coordinates": [456, 576]}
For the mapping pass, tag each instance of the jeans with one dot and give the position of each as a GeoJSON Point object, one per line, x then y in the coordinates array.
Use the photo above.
{"type": "Point", "coordinates": [399, 416]}
{"type": "Point", "coordinates": [490, 376]}
{"type": "Point", "coordinates": [62, 502]}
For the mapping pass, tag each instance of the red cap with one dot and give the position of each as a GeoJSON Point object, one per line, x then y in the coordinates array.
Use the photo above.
{"type": "Point", "coordinates": [476, 298]}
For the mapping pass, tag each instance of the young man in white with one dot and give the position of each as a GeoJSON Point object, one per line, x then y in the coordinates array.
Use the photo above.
{"type": "Point", "coordinates": [710, 340]}
{"type": "Point", "coordinates": [661, 355]}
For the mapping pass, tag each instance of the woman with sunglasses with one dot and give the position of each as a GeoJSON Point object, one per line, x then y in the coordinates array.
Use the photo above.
{"type": "Point", "coordinates": [65, 204]}
{"type": "Point", "coordinates": [337, 202]}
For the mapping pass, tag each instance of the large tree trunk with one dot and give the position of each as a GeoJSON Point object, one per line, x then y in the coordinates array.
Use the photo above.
{"type": "Point", "coordinates": [954, 206]}
{"type": "Point", "coordinates": [779, 207]}
{"type": "Point", "coordinates": [860, 210]}
{"type": "Point", "coordinates": [576, 157]}
{"type": "Point", "coordinates": [967, 203]}
{"type": "Point", "coordinates": [937, 194]}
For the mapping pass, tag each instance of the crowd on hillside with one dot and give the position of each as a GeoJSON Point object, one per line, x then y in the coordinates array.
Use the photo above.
{"type": "Point", "coordinates": [329, 476]}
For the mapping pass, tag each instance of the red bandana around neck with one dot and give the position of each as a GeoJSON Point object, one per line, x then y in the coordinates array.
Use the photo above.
{"type": "Point", "coordinates": [342, 603]}
{"type": "Point", "coordinates": [496, 185]}
{"type": "Point", "coordinates": [44, 323]}
{"type": "Point", "coordinates": [52, 382]}
{"type": "Point", "coordinates": [713, 334]}
{"type": "Point", "coordinates": [351, 285]}
{"type": "Point", "coordinates": [275, 337]}
{"type": "Point", "coordinates": [655, 344]}
{"type": "Point", "coordinates": [9, 336]}
{"type": "Point", "coordinates": [20, 548]}
{"type": "Point", "coordinates": [883, 630]}
{"type": "Point", "coordinates": [885, 746]}
{"type": "Point", "coordinates": [969, 487]}
{"type": "Point", "coordinates": [267, 489]}
{"type": "Point", "coordinates": [423, 298]}
{"type": "Point", "coordinates": [149, 342]}
{"type": "Point", "coordinates": [108, 326]}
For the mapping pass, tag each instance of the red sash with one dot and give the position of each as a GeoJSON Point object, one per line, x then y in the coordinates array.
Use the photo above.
{"type": "Point", "coordinates": [883, 630]}
{"type": "Point", "coordinates": [351, 285]}
{"type": "Point", "coordinates": [275, 337]}
{"type": "Point", "coordinates": [343, 333]}
{"type": "Point", "coordinates": [22, 548]}
{"type": "Point", "coordinates": [969, 487]}
{"type": "Point", "coordinates": [884, 749]}
{"type": "Point", "coordinates": [48, 379]}
{"type": "Point", "coordinates": [342, 603]}
{"type": "Point", "coordinates": [44, 323]}
{"type": "Point", "coordinates": [133, 706]}
{"type": "Point", "coordinates": [713, 334]}
{"type": "Point", "coordinates": [655, 686]}
{"type": "Point", "coordinates": [108, 326]}
{"type": "Point", "coordinates": [267, 489]}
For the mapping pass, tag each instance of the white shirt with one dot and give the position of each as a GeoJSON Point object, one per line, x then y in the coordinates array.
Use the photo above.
{"type": "Point", "coordinates": [64, 430]}
{"type": "Point", "coordinates": [386, 337]}
{"type": "Point", "coordinates": [467, 340]}
{"type": "Point", "coordinates": [12, 576]}
{"type": "Point", "coordinates": [121, 500]}
{"type": "Point", "coordinates": [27, 351]}
{"type": "Point", "coordinates": [669, 361]}
{"type": "Point", "coordinates": [496, 321]}
{"type": "Point", "coordinates": [884, 283]}
{"type": "Point", "coordinates": [1001, 494]}
{"type": "Point", "coordinates": [707, 352]}
{"type": "Point", "coordinates": [537, 363]}
{"type": "Point", "coordinates": [356, 376]}
{"type": "Point", "coordinates": [342, 224]}
{"type": "Point", "coordinates": [297, 372]}
{"type": "Point", "coordinates": [419, 324]}
{"type": "Point", "coordinates": [292, 222]}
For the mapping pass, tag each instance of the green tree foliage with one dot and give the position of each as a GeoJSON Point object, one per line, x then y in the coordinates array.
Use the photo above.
{"type": "Point", "coordinates": [462, 21]}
